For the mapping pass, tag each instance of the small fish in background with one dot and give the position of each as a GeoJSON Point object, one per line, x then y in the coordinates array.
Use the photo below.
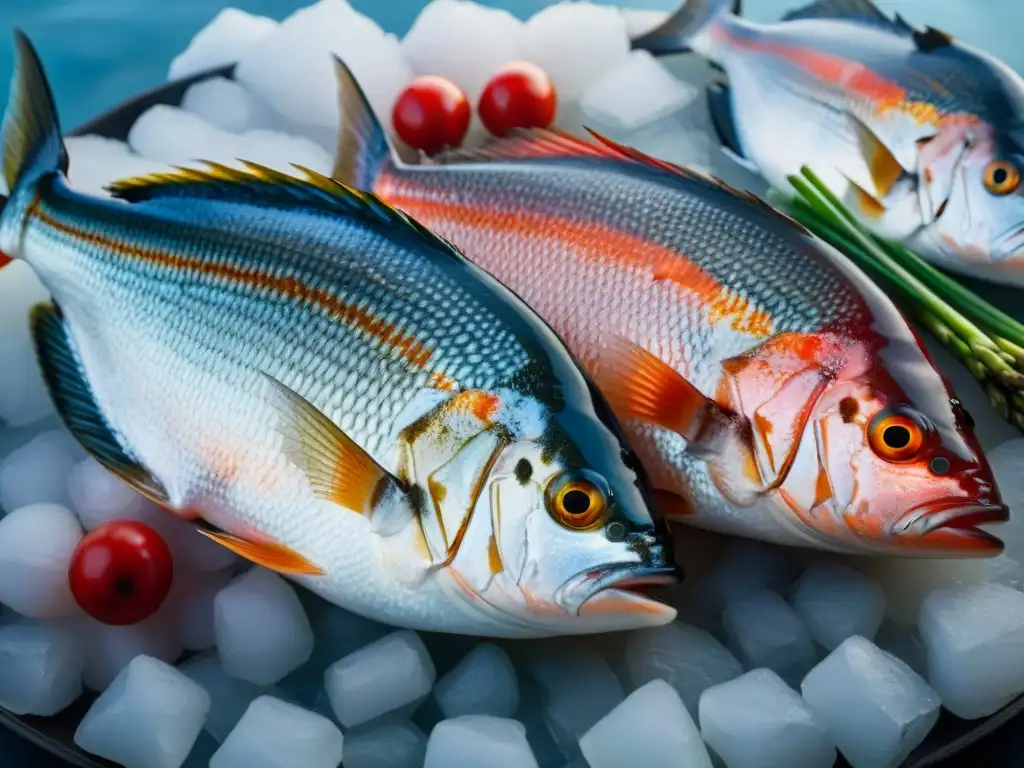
{"type": "Point", "coordinates": [922, 134]}
{"type": "Point", "coordinates": [333, 390]}
{"type": "Point", "coordinates": [769, 387]}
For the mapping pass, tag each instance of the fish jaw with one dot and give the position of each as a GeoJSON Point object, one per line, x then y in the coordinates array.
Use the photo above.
{"type": "Point", "coordinates": [950, 527]}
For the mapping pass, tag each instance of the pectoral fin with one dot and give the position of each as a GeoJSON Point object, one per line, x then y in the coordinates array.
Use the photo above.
{"type": "Point", "coordinates": [276, 557]}
{"type": "Point", "coordinates": [863, 202]}
{"type": "Point", "coordinates": [338, 469]}
{"type": "Point", "coordinates": [883, 166]}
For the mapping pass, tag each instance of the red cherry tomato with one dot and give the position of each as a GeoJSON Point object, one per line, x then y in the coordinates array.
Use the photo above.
{"type": "Point", "coordinates": [519, 95]}
{"type": "Point", "coordinates": [431, 113]}
{"type": "Point", "coordinates": [121, 572]}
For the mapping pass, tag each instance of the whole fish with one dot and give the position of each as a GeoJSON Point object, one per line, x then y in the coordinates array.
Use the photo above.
{"type": "Point", "coordinates": [766, 384]}
{"type": "Point", "coordinates": [336, 391]}
{"type": "Point", "coordinates": [923, 135]}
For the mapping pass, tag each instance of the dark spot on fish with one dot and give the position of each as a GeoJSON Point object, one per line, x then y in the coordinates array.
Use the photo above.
{"type": "Point", "coordinates": [416, 496]}
{"type": "Point", "coordinates": [615, 531]}
{"type": "Point", "coordinates": [942, 209]}
{"type": "Point", "coordinates": [848, 409]}
{"type": "Point", "coordinates": [961, 413]}
{"type": "Point", "coordinates": [524, 471]}
{"type": "Point", "coordinates": [939, 465]}
{"type": "Point", "coordinates": [437, 490]}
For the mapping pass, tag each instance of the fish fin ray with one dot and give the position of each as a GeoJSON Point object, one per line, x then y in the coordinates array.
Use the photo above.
{"type": "Point", "coordinates": [723, 119]}
{"type": "Point", "coordinates": [32, 144]}
{"type": "Point", "coordinates": [862, 201]}
{"type": "Point", "coordinates": [276, 557]}
{"type": "Point", "coordinates": [883, 166]}
{"type": "Point", "coordinates": [525, 144]}
{"type": "Point", "coordinates": [930, 39]}
{"type": "Point", "coordinates": [849, 10]}
{"type": "Point", "coordinates": [74, 400]}
{"type": "Point", "coordinates": [337, 468]}
{"type": "Point", "coordinates": [362, 146]}
{"type": "Point", "coordinates": [699, 177]}
{"type": "Point", "coordinates": [255, 183]}
{"type": "Point", "coordinates": [676, 33]}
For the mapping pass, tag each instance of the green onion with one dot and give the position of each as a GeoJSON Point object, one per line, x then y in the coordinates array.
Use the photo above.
{"type": "Point", "coordinates": [986, 340]}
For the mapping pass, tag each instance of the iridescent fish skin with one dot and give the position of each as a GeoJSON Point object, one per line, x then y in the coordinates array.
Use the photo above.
{"type": "Point", "coordinates": [756, 369]}
{"type": "Point", "coordinates": [922, 134]}
{"type": "Point", "coordinates": [333, 389]}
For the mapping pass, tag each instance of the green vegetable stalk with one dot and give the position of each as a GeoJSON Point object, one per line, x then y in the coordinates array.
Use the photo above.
{"type": "Point", "coordinates": [989, 342]}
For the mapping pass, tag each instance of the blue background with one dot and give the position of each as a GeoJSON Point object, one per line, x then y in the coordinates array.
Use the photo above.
{"type": "Point", "coordinates": [99, 52]}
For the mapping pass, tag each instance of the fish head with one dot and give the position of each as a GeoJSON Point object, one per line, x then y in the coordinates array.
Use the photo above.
{"type": "Point", "coordinates": [570, 538]}
{"type": "Point", "coordinates": [979, 217]}
{"type": "Point", "coordinates": [889, 470]}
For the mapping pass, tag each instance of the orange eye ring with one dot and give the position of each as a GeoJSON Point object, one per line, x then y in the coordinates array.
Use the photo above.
{"type": "Point", "coordinates": [1001, 177]}
{"type": "Point", "coordinates": [577, 500]}
{"type": "Point", "coordinates": [896, 435]}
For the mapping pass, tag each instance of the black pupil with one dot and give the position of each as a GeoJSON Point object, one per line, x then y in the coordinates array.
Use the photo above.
{"type": "Point", "coordinates": [897, 437]}
{"type": "Point", "coordinates": [576, 502]}
{"type": "Point", "coordinates": [999, 175]}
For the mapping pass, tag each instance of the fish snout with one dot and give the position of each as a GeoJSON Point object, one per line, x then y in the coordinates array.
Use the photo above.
{"type": "Point", "coordinates": [949, 527]}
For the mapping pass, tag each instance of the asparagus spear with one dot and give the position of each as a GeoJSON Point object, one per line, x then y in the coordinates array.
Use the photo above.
{"type": "Point", "coordinates": [989, 342]}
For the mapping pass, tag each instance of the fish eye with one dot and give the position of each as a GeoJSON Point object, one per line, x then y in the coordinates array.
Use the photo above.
{"type": "Point", "coordinates": [896, 434]}
{"type": "Point", "coordinates": [577, 500]}
{"type": "Point", "coordinates": [1001, 177]}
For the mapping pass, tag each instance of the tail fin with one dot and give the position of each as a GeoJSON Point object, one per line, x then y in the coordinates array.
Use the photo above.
{"type": "Point", "coordinates": [363, 146]}
{"type": "Point", "coordinates": [31, 135]}
{"type": "Point", "coordinates": [680, 29]}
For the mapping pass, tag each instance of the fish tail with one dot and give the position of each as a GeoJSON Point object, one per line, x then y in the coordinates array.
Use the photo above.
{"type": "Point", "coordinates": [32, 146]}
{"type": "Point", "coordinates": [683, 30]}
{"type": "Point", "coordinates": [363, 145]}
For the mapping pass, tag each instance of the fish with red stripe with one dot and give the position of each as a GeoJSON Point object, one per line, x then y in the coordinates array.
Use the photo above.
{"type": "Point", "coordinates": [331, 391]}
{"type": "Point", "coordinates": [769, 387]}
{"type": "Point", "coordinates": [922, 134]}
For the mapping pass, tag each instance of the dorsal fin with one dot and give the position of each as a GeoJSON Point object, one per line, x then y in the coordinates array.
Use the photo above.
{"type": "Point", "coordinates": [76, 405]}
{"type": "Point", "coordinates": [257, 183]}
{"type": "Point", "coordinates": [850, 10]}
{"type": "Point", "coordinates": [526, 143]}
{"type": "Point", "coordinates": [930, 38]}
{"type": "Point", "coordinates": [694, 175]}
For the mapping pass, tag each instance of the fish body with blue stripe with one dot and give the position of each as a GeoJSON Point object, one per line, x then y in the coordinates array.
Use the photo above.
{"type": "Point", "coordinates": [331, 391]}
{"type": "Point", "coordinates": [921, 134]}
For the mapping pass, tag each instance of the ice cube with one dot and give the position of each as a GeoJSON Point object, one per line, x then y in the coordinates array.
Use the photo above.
{"type": "Point", "coordinates": [875, 707]}
{"type": "Point", "coordinates": [293, 69]}
{"type": "Point", "coordinates": [191, 606]}
{"type": "Point", "coordinates": [640, 21]}
{"type": "Point", "coordinates": [974, 635]}
{"type": "Point", "coordinates": [392, 745]}
{"type": "Point", "coordinates": [40, 667]}
{"type": "Point", "coordinates": [483, 683]}
{"type": "Point", "coordinates": [763, 631]}
{"type": "Point", "coordinates": [99, 497]}
{"type": "Point", "coordinates": [758, 721]}
{"type": "Point", "coordinates": [904, 643]}
{"type": "Point", "coordinates": [172, 135]}
{"type": "Point", "coordinates": [471, 741]}
{"type": "Point", "coordinates": [223, 41]}
{"type": "Point", "coordinates": [261, 629]}
{"type": "Point", "coordinates": [227, 105]}
{"type": "Point", "coordinates": [36, 546]}
{"type": "Point", "coordinates": [38, 471]}
{"type": "Point", "coordinates": [96, 161]}
{"type": "Point", "coordinates": [651, 727]}
{"type": "Point", "coordinates": [746, 565]}
{"type": "Point", "coordinates": [637, 91]}
{"type": "Point", "coordinates": [576, 43]}
{"type": "Point", "coordinates": [23, 397]}
{"type": "Point", "coordinates": [464, 42]}
{"type": "Point", "coordinates": [229, 696]}
{"type": "Point", "coordinates": [579, 689]}
{"type": "Point", "coordinates": [381, 677]}
{"type": "Point", "coordinates": [108, 650]}
{"type": "Point", "coordinates": [149, 717]}
{"type": "Point", "coordinates": [835, 602]}
{"type": "Point", "coordinates": [688, 659]}
{"type": "Point", "coordinates": [275, 734]}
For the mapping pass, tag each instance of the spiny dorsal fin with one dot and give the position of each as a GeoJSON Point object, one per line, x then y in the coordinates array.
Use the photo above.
{"type": "Point", "coordinates": [930, 38]}
{"type": "Point", "coordinates": [257, 183]}
{"type": "Point", "coordinates": [523, 144]}
{"type": "Point", "coordinates": [692, 174]}
{"type": "Point", "coordinates": [76, 405]}
{"type": "Point", "coordinates": [362, 145]}
{"type": "Point", "coordinates": [850, 10]}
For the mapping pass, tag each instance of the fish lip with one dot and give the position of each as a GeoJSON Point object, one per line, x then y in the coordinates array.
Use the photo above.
{"type": "Point", "coordinates": [952, 513]}
{"type": "Point", "coordinates": [577, 590]}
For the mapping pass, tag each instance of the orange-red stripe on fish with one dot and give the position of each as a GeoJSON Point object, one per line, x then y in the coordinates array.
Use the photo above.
{"type": "Point", "coordinates": [411, 349]}
{"type": "Point", "coordinates": [617, 248]}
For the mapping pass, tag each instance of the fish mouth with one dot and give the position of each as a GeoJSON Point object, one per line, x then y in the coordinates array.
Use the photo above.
{"type": "Point", "coordinates": [616, 588]}
{"type": "Point", "coordinates": [951, 525]}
